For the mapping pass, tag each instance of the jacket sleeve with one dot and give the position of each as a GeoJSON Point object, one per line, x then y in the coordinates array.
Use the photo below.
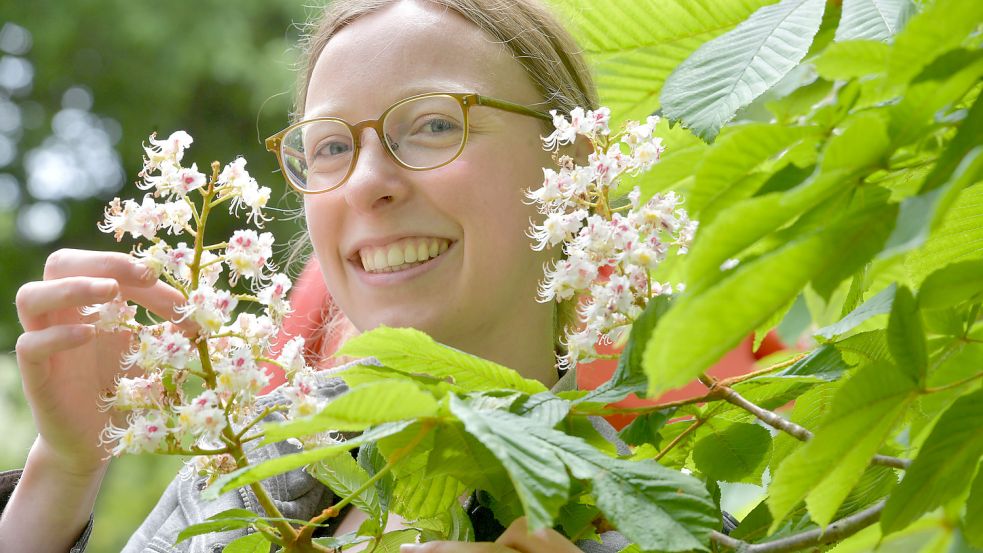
{"type": "Point", "coordinates": [8, 481]}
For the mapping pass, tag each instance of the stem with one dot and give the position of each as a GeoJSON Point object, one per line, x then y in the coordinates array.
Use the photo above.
{"type": "Point", "coordinates": [675, 441]}
{"type": "Point", "coordinates": [781, 365]}
{"type": "Point", "coordinates": [836, 531]}
{"type": "Point", "coordinates": [258, 418]}
{"type": "Point", "coordinates": [780, 423]}
{"type": "Point", "coordinates": [955, 384]}
{"type": "Point", "coordinates": [305, 534]}
{"type": "Point", "coordinates": [216, 246]}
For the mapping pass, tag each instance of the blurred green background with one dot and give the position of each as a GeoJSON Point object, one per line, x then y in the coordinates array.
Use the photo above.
{"type": "Point", "coordinates": [82, 84]}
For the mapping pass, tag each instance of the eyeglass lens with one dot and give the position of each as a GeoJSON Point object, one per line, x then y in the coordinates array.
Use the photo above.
{"type": "Point", "coordinates": [422, 134]}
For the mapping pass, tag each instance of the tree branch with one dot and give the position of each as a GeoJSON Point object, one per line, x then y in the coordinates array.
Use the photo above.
{"type": "Point", "coordinates": [843, 528]}
{"type": "Point", "coordinates": [778, 422]}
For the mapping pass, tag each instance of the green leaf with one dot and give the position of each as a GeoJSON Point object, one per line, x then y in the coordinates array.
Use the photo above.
{"type": "Point", "coordinates": [659, 508]}
{"type": "Point", "coordinates": [906, 337]}
{"type": "Point", "coordinates": [453, 524]}
{"type": "Point", "coordinates": [727, 73]}
{"type": "Point", "coordinates": [939, 86]}
{"type": "Point", "coordinates": [877, 305]}
{"type": "Point", "coordinates": [953, 285]}
{"type": "Point", "coordinates": [869, 19]}
{"type": "Point", "coordinates": [738, 451]}
{"type": "Point", "coordinates": [458, 454]}
{"type": "Point", "coordinates": [633, 46]}
{"type": "Point", "coordinates": [696, 332]}
{"type": "Point", "coordinates": [342, 475]}
{"type": "Point", "coordinates": [973, 520]}
{"type": "Point", "coordinates": [390, 541]}
{"type": "Point", "coordinates": [412, 351]}
{"type": "Point", "coordinates": [231, 519]}
{"type": "Point", "coordinates": [944, 465]}
{"type": "Point", "coordinates": [825, 469]}
{"type": "Point", "coordinates": [538, 475]}
{"type": "Point", "coordinates": [958, 150]}
{"type": "Point", "coordinates": [823, 363]}
{"type": "Point", "coordinates": [645, 428]}
{"type": "Point", "coordinates": [864, 347]}
{"type": "Point", "coordinates": [852, 59]}
{"type": "Point", "coordinates": [279, 465]}
{"type": "Point", "coordinates": [941, 27]}
{"type": "Point", "coordinates": [920, 214]}
{"type": "Point", "coordinates": [959, 238]}
{"type": "Point", "coordinates": [419, 492]}
{"type": "Point", "coordinates": [372, 461]}
{"type": "Point", "coordinates": [251, 543]}
{"type": "Point", "coordinates": [741, 151]}
{"type": "Point", "coordinates": [360, 408]}
{"type": "Point", "coordinates": [846, 156]}
{"type": "Point", "coordinates": [545, 407]}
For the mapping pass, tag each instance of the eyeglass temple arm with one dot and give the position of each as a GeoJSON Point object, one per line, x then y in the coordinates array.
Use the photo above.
{"type": "Point", "coordinates": [515, 108]}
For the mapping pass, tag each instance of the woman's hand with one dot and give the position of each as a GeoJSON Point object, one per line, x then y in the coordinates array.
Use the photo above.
{"type": "Point", "coordinates": [65, 363]}
{"type": "Point", "coordinates": [516, 539]}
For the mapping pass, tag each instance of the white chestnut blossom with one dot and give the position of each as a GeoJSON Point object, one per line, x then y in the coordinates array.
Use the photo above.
{"type": "Point", "coordinates": [165, 153]}
{"type": "Point", "coordinates": [141, 220]}
{"type": "Point", "coordinates": [248, 254]}
{"type": "Point", "coordinates": [113, 315]}
{"type": "Point", "coordinates": [274, 297]}
{"type": "Point", "coordinates": [143, 433]}
{"type": "Point", "coordinates": [201, 418]}
{"type": "Point", "coordinates": [208, 307]}
{"type": "Point", "coordinates": [236, 183]}
{"type": "Point", "coordinates": [607, 249]}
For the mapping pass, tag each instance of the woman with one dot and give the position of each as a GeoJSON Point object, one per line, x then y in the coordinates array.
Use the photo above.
{"type": "Point", "coordinates": [477, 293]}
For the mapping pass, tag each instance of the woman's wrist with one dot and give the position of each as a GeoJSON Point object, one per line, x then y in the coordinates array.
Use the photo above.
{"type": "Point", "coordinates": [51, 505]}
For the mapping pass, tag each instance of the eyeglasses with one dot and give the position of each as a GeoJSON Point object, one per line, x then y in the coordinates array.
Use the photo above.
{"type": "Point", "coordinates": [419, 133]}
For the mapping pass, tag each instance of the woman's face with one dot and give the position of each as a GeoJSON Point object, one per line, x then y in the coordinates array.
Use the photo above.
{"type": "Point", "coordinates": [483, 286]}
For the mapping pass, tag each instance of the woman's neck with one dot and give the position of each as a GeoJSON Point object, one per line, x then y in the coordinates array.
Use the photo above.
{"type": "Point", "coordinates": [527, 351]}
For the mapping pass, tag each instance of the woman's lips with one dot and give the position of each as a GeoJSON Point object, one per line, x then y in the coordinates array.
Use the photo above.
{"type": "Point", "coordinates": [390, 275]}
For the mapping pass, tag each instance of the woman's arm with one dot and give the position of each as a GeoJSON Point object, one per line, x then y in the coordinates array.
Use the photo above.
{"type": "Point", "coordinates": [50, 508]}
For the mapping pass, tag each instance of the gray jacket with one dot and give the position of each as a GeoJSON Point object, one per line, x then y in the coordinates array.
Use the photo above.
{"type": "Point", "coordinates": [297, 494]}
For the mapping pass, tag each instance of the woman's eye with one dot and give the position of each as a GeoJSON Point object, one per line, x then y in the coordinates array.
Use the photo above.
{"type": "Point", "coordinates": [333, 148]}
{"type": "Point", "coordinates": [437, 125]}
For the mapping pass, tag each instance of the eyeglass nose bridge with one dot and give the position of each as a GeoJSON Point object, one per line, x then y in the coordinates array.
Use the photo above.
{"type": "Point", "coordinates": [380, 132]}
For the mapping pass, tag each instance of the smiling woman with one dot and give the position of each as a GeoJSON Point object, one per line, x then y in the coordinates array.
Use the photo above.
{"type": "Point", "coordinates": [418, 132]}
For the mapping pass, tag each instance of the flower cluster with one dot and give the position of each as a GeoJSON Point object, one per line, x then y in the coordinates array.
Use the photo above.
{"type": "Point", "coordinates": [210, 342]}
{"type": "Point", "coordinates": [608, 249]}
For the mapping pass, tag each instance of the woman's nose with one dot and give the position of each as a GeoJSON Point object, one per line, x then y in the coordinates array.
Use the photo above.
{"type": "Point", "coordinates": [376, 181]}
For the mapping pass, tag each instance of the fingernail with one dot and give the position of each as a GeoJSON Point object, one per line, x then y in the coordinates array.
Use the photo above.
{"type": "Point", "coordinates": [410, 548]}
{"type": "Point", "coordinates": [84, 331]}
{"type": "Point", "coordinates": [146, 274]}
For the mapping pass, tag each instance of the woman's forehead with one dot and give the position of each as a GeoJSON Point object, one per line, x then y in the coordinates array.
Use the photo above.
{"type": "Point", "coordinates": [404, 49]}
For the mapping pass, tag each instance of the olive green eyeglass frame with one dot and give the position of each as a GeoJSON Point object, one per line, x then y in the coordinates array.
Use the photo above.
{"type": "Point", "coordinates": [274, 143]}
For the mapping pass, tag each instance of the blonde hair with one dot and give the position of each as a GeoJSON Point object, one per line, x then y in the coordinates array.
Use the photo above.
{"type": "Point", "coordinates": [537, 40]}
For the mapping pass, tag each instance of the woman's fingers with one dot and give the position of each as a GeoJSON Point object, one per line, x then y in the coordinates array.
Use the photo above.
{"type": "Point", "coordinates": [36, 347]}
{"type": "Point", "coordinates": [119, 266]}
{"type": "Point", "coordinates": [36, 299]}
{"type": "Point", "coordinates": [518, 536]}
{"type": "Point", "coordinates": [454, 547]}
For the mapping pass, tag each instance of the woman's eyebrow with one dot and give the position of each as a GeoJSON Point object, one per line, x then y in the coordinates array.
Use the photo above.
{"type": "Point", "coordinates": [331, 109]}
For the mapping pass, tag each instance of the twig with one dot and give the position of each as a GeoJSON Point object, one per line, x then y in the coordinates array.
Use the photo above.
{"type": "Point", "coordinates": [675, 441]}
{"type": "Point", "coordinates": [843, 528]}
{"type": "Point", "coordinates": [778, 422]}
{"type": "Point", "coordinates": [772, 368]}
{"type": "Point", "coordinates": [955, 384]}
{"type": "Point", "coordinates": [768, 417]}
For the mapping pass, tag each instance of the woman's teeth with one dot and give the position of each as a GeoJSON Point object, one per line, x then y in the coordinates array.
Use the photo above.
{"type": "Point", "coordinates": [401, 254]}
